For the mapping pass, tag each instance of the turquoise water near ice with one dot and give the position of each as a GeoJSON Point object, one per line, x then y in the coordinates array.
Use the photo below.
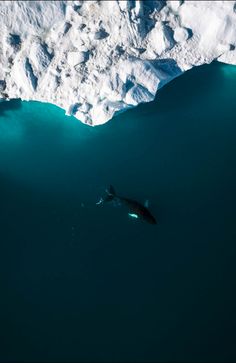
{"type": "Point", "coordinates": [84, 283]}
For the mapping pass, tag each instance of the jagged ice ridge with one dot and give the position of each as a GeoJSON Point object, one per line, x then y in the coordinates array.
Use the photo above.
{"type": "Point", "coordinates": [97, 58]}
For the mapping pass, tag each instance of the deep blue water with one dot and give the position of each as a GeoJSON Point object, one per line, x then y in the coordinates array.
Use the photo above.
{"type": "Point", "coordinates": [83, 283]}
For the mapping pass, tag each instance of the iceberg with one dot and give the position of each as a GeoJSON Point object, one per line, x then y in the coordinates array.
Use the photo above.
{"type": "Point", "coordinates": [95, 59]}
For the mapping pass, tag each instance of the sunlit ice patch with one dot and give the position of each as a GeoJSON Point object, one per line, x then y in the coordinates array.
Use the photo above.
{"type": "Point", "coordinates": [133, 215]}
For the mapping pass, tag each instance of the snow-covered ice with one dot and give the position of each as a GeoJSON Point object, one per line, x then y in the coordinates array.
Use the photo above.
{"type": "Point", "coordinates": [97, 58]}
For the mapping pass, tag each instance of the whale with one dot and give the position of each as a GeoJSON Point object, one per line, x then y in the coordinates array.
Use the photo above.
{"type": "Point", "coordinates": [135, 209]}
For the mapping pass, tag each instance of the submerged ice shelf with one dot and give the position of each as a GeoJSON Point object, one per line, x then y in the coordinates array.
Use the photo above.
{"type": "Point", "coordinates": [97, 58]}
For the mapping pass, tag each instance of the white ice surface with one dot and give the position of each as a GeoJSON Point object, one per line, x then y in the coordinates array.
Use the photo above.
{"type": "Point", "coordinates": [97, 58]}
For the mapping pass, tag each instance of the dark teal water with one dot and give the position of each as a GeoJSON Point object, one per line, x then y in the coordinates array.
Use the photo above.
{"type": "Point", "coordinates": [83, 283]}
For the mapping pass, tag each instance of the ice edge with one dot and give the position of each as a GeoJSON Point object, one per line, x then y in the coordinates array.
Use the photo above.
{"type": "Point", "coordinates": [98, 58]}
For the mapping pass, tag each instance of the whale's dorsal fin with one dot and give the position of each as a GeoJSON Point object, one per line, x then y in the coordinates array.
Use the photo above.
{"type": "Point", "coordinates": [146, 203]}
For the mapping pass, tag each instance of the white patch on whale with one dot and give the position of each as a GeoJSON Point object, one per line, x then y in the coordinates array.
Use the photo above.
{"type": "Point", "coordinates": [133, 215]}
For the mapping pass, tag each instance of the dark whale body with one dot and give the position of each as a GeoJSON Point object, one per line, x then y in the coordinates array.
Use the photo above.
{"type": "Point", "coordinates": [135, 208]}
